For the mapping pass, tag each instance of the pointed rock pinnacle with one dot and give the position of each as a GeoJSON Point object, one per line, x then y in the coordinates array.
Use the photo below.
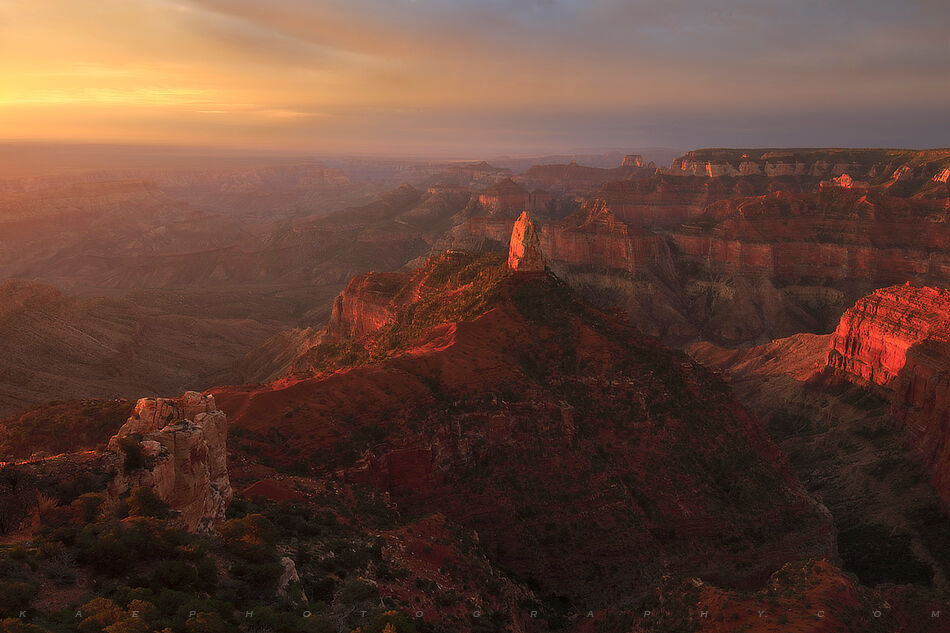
{"type": "Point", "coordinates": [524, 254]}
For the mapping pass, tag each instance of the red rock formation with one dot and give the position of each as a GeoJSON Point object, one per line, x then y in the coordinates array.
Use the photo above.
{"type": "Point", "coordinates": [524, 252]}
{"type": "Point", "coordinates": [898, 339]}
{"type": "Point", "coordinates": [474, 173]}
{"type": "Point", "coordinates": [574, 179]}
{"type": "Point", "coordinates": [592, 238]}
{"type": "Point", "coordinates": [874, 337]}
{"type": "Point", "coordinates": [834, 235]}
{"type": "Point", "coordinates": [595, 238]}
{"type": "Point", "coordinates": [666, 201]}
{"type": "Point", "coordinates": [184, 440]}
{"type": "Point", "coordinates": [363, 307]}
{"type": "Point", "coordinates": [745, 269]}
{"type": "Point", "coordinates": [505, 198]}
{"type": "Point", "coordinates": [633, 160]}
{"type": "Point", "coordinates": [845, 181]}
{"type": "Point", "coordinates": [875, 164]}
{"type": "Point", "coordinates": [922, 402]}
{"type": "Point", "coordinates": [578, 449]}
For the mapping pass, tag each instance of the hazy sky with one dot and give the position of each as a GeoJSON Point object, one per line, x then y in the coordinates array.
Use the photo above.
{"type": "Point", "coordinates": [470, 76]}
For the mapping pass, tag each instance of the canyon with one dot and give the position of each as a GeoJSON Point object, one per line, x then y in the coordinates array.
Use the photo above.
{"type": "Point", "coordinates": [473, 406]}
{"type": "Point", "coordinates": [862, 414]}
{"type": "Point", "coordinates": [898, 339]}
{"type": "Point", "coordinates": [744, 257]}
{"type": "Point", "coordinates": [60, 347]}
{"type": "Point", "coordinates": [463, 393]}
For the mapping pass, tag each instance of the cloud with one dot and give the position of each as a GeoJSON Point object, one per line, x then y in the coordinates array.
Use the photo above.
{"type": "Point", "coordinates": [535, 70]}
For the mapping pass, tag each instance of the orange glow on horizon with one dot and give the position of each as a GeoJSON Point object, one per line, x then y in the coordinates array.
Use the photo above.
{"type": "Point", "coordinates": [332, 74]}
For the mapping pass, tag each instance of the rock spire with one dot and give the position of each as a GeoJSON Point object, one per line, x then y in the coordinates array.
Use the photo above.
{"type": "Point", "coordinates": [524, 254]}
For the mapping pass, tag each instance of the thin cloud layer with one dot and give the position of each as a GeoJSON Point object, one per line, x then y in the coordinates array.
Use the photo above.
{"type": "Point", "coordinates": [461, 75]}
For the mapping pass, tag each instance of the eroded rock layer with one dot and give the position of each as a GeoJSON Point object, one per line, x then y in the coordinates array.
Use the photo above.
{"type": "Point", "coordinates": [898, 339]}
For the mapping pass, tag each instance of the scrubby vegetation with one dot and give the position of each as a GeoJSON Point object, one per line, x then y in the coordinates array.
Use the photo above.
{"type": "Point", "coordinates": [59, 427]}
{"type": "Point", "coordinates": [126, 570]}
{"type": "Point", "coordinates": [878, 555]}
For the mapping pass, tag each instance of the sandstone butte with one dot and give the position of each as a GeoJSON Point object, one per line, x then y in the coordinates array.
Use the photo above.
{"type": "Point", "coordinates": [524, 253]}
{"type": "Point", "coordinates": [898, 339]}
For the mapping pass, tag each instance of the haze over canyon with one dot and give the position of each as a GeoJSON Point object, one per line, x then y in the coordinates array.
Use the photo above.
{"type": "Point", "coordinates": [576, 393]}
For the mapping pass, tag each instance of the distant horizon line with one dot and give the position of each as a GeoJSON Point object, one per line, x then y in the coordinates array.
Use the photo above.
{"type": "Point", "coordinates": [442, 154]}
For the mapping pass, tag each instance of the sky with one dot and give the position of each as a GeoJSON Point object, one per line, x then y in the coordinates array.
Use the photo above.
{"type": "Point", "coordinates": [477, 76]}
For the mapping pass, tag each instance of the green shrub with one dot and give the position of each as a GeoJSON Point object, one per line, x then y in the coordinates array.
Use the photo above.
{"type": "Point", "coordinates": [209, 623]}
{"type": "Point", "coordinates": [116, 547]}
{"type": "Point", "coordinates": [143, 502]}
{"type": "Point", "coordinates": [16, 625]}
{"type": "Point", "coordinates": [179, 574]}
{"type": "Point", "coordinates": [135, 458]}
{"type": "Point", "coordinates": [15, 596]}
{"type": "Point", "coordinates": [391, 622]}
{"type": "Point", "coordinates": [356, 591]}
{"type": "Point", "coordinates": [253, 529]}
{"type": "Point", "coordinates": [88, 506]}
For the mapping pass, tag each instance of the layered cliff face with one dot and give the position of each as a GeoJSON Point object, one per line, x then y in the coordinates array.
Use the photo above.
{"type": "Point", "coordinates": [592, 237]}
{"type": "Point", "coordinates": [745, 259]}
{"type": "Point", "coordinates": [574, 179]}
{"type": "Point", "coordinates": [864, 414]}
{"type": "Point", "coordinates": [506, 198]}
{"type": "Point", "coordinates": [702, 177]}
{"type": "Point", "coordinates": [795, 262]}
{"type": "Point", "coordinates": [666, 288]}
{"type": "Point", "coordinates": [880, 166]}
{"type": "Point", "coordinates": [589, 459]}
{"type": "Point", "coordinates": [898, 339]}
{"type": "Point", "coordinates": [665, 201]}
{"type": "Point", "coordinates": [922, 403]}
{"type": "Point", "coordinates": [874, 338]}
{"type": "Point", "coordinates": [363, 306]}
{"type": "Point", "coordinates": [832, 235]}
